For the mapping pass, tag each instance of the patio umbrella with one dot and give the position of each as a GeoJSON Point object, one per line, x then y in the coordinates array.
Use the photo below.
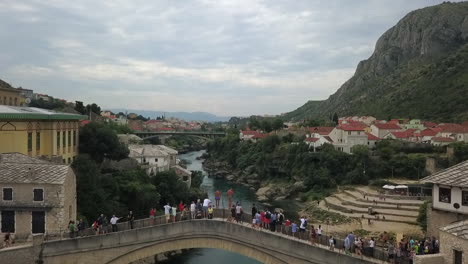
{"type": "Point", "coordinates": [401, 187]}
{"type": "Point", "coordinates": [388, 187]}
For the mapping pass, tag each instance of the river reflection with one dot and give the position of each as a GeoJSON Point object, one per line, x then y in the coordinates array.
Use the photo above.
{"type": "Point", "coordinates": [210, 185]}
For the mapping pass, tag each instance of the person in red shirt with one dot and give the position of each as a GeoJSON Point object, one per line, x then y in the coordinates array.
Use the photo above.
{"type": "Point", "coordinates": [217, 197]}
{"type": "Point", "coordinates": [287, 225]}
{"type": "Point", "coordinates": [152, 215]}
{"type": "Point", "coordinates": [230, 193]}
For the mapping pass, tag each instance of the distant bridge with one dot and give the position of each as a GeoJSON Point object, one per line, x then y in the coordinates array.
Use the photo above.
{"type": "Point", "coordinates": [151, 134]}
{"type": "Point", "coordinates": [151, 238]}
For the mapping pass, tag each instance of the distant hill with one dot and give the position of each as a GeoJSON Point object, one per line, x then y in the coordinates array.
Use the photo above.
{"type": "Point", "coordinates": [419, 69]}
{"type": "Point", "coordinates": [188, 116]}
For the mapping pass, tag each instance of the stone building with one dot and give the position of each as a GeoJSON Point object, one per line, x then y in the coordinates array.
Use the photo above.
{"type": "Point", "coordinates": [158, 158]}
{"type": "Point", "coordinates": [36, 196]}
{"type": "Point", "coordinates": [39, 132]}
{"type": "Point", "coordinates": [449, 197]}
{"type": "Point", "coordinates": [10, 95]}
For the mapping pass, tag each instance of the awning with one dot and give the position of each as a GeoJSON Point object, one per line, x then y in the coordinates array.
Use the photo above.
{"type": "Point", "coordinates": [388, 187]}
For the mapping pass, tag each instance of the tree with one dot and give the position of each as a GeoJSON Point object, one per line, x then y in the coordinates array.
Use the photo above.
{"type": "Point", "coordinates": [93, 108]}
{"type": "Point", "coordinates": [80, 108]}
{"type": "Point", "coordinates": [99, 141]}
{"type": "Point", "coordinates": [170, 187]}
{"type": "Point", "coordinates": [335, 118]}
{"type": "Point", "coordinates": [422, 216]}
{"type": "Point", "coordinates": [277, 124]}
{"type": "Point", "coordinates": [266, 125]}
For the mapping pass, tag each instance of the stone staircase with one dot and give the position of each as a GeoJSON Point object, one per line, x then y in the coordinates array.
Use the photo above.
{"type": "Point", "coordinates": [351, 203]}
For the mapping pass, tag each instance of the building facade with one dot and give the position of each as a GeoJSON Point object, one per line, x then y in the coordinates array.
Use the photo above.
{"type": "Point", "coordinates": [346, 136]}
{"type": "Point", "coordinates": [10, 96]}
{"type": "Point", "coordinates": [38, 132]}
{"type": "Point", "coordinates": [36, 196]}
{"type": "Point", "coordinates": [449, 197]}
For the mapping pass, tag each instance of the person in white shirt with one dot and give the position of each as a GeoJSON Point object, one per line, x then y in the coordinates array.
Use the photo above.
{"type": "Point", "coordinates": [319, 231]}
{"type": "Point", "coordinates": [371, 247]}
{"type": "Point", "coordinates": [113, 222]}
{"type": "Point", "coordinates": [331, 243]}
{"type": "Point", "coordinates": [193, 207]}
{"type": "Point", "coordinates": [167, 212]}
{"type": "Point", "coordinates": [239, 212]}
{"type": "Point", "coordinates": [206, 203]}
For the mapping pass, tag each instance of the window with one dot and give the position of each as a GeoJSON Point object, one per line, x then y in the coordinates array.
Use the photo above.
{"type": "Point", "coordinates": [58, 141]}
{"type": "Point", "coordinates": [465, 198]}
{"type": "Point", "coordinates": [74, 138]}
{"type": "Point", "coordinates": [8, 221]}
{"type": "Point", "coordinates": [7, 194]}
{"type": "Point", "coordinates": [444, 195]}
{"type": "Point", "coordinates": [16, 101]}
{"type": "Point", "coordinates": [69, 160]}
{"type": "Point", "coordinates": [29, 141]}
{"type": "Point", "coordinates": [457, 257]}
{"type": "Point", "coordinates": [156, 160]}
{"type": "Point", "coordinates": [349, 132]}
{"type": "Point", "coordinates": [38, 195]}
{"type": "Point", "coordinates": [69, 138]}
{"type": "Point", "coordinates": [38, 140]}
{"type": "Point", "coordinates": [359, 133]}
{"type": "Point", "coordinates": [185, 178]}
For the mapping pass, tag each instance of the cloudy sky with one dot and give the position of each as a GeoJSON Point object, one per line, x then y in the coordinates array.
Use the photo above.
{"type": "Point", "coordinates": [227, 57]}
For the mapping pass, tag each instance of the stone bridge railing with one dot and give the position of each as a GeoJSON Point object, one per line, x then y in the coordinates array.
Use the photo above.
{"type": "Point", "coordinates": [150, 238]}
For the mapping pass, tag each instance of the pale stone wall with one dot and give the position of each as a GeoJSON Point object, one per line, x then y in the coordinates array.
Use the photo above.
{"type": "Point", "coordinates": [437, 219]}
{"type": "Point", "coordinates": [449, 243]}
{"type": "Point", "coordinates": [429, 259]}
{"type": "Point", "coordinates": [59, 205]}
{"type": "Point", "coordinates": [456, 197]}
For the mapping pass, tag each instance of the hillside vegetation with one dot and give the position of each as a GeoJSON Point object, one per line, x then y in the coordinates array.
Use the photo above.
{"type": "Point", "coordinates": [419, 69]}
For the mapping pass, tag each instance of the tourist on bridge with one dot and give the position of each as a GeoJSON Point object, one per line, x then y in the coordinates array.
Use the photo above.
{"type": "Point", "coordinates": [239, 212]}
{"type": "Point", "coordinates": [230, 194]}
{"type": "Point", "coordinates": [233, 213]}
{"type": "Point", "coordinates": [113, 222]}
{"type": "Point", "coordinates": [287, 226]}
{"type": "Point", "coordinates": [254, 211]}
{"type": "Point", "coordinates": [273, 222]}
{"type": "Point", "coordinates": [279, 222]}
{"type": "Point", "coordinates": [210, 212]}
{"type": "Point", "coordinates": [193, 208]}
{"type": "Point", "coordinates": [332, 243]}
{"type": "Point", "coordinates": [206, 203]}
{"type": "Point", "coordinates": [7, 240]}
{"type": "Point", "coordinates": [167, 212]}
{"type": "Point", "coordinates": [100, 224]}
{"type": "Point", "coordinates": [174, 213]}
{"type": "Point", "coordinates": [71, 228]}
{"type": "Point", "coordinates": [81, 227]}
{"type": "Point", "coordinates": [131, 219]}
{"type": "Point", "coordinates": [257, 220]}
{"type": "Point", "coordinates": [217, 198]}
{"type": "Point", "coordinates": [313, 235]}
{"type": "Point", "coordinates": [152, 214]}
{"type": "Point", "coordinates": [294, 229]}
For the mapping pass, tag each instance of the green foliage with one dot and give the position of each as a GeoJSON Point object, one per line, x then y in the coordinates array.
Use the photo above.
{"type": "Point", "coordinates": [100, 141]}
{"type": "Point", "coordinates": [79, 107]}
{"type": "Point", "coordinates": [52, 104]}
{"type": "Point", "coordinates": [460, 152]}
{"type": "Point", "coordinates": [172, 189]}
{"type": "Point", "coordinates": [118, 128]}
{"type": "Point", "coordinates": [197, 179]}
{"type": "Point", "coordinates": [426, 88]}
{"type": "Point", "coordinates": [422, 216]}
{"type": "Point", "coordinates": [93, 108]}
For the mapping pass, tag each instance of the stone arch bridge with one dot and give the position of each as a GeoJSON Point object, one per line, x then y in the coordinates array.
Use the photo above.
{"type": "Point", "coordinates": [131, 245]}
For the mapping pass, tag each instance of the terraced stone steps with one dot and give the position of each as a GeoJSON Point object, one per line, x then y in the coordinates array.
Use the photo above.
{"type": "Point", "coordinates": [359, 197]}
{"type": "Point", "coordinates": [366, 204]}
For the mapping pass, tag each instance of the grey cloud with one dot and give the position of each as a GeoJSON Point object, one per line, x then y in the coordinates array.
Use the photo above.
{"type": "Point", "coordinates": [235, 57]}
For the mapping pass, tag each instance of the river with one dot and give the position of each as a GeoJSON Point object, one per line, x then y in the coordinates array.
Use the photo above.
{"type": "Point", "coordinates": [210, 185]}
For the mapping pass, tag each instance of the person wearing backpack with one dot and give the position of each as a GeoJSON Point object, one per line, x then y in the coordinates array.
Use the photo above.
{"type": "Point", "coordinates": [267, 219]}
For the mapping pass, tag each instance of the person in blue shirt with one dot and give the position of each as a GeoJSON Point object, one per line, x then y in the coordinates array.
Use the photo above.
{"type": "Point", "coordinates": [294, 229]}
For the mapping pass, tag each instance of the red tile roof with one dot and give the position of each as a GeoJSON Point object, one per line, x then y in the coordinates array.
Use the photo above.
{"type": "Point", "coordinates": [401, 134]}
{"type": "Point", "coordinates": [428, 132]}
{"type": "Point", "coordinates": [429, 124]}
{"type": "Point", "coordinates": [442, 139]}
{"type": "Point", "coordinates": [372, 137]}
{"type": "Point", "coordinates": [310, 139]}
{"type": "Point", "coordinates": [84, 122]}
{"type": "Point", "coordinates": [351, 127]}
{"type": "Point", "coordinates": [248, 132]}
{"type": "Point", "coordinates": [321, 130]}
{"type": "Point", "coordinates": [388, 126]}
{"type": "Point", "coordinates": [162, 129]}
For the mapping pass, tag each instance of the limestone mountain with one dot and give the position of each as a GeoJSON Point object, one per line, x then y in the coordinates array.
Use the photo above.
{"type": "Point", "coordinates": [419, 69]}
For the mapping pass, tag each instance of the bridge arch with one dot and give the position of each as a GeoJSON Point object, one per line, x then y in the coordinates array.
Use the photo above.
{"type": "Point", "coordinates": [217, 242]}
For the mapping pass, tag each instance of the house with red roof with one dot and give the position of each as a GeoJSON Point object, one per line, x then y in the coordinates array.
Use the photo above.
{"type": "Point", "coordinates": [406, 135]}
{"type": "Point", "coordinates": [251, 135]}
{"type": "Point", "coordinates": [454, 131]}
{"type": "Point", "coordinates": [441, 141]}
{"type": "Point", "coordinates": [346, 136]}
{"type": "Point", "coordinates": [316, 140]}
{"type": "Point", "coordinates": [380, 130]}
{"type": "Point", "coordinates": [372, 140]}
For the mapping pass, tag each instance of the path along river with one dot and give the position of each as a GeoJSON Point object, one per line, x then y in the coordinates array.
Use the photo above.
{"type": "Point", "coordinates": [210, 185]}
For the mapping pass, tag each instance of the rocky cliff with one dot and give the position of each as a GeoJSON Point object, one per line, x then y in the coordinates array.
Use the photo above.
{"type": "Point", "coordinates": [425, 53]}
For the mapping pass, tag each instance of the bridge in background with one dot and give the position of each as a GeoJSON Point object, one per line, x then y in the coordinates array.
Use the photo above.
{"type": "Point", "coordinates": [151, 134]}
{"type": "Point", "coordinates": [150, 238]}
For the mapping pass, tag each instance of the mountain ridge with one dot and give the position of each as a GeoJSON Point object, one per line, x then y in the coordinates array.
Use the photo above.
{"type": "Point", "coordinates": [420, 42]}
